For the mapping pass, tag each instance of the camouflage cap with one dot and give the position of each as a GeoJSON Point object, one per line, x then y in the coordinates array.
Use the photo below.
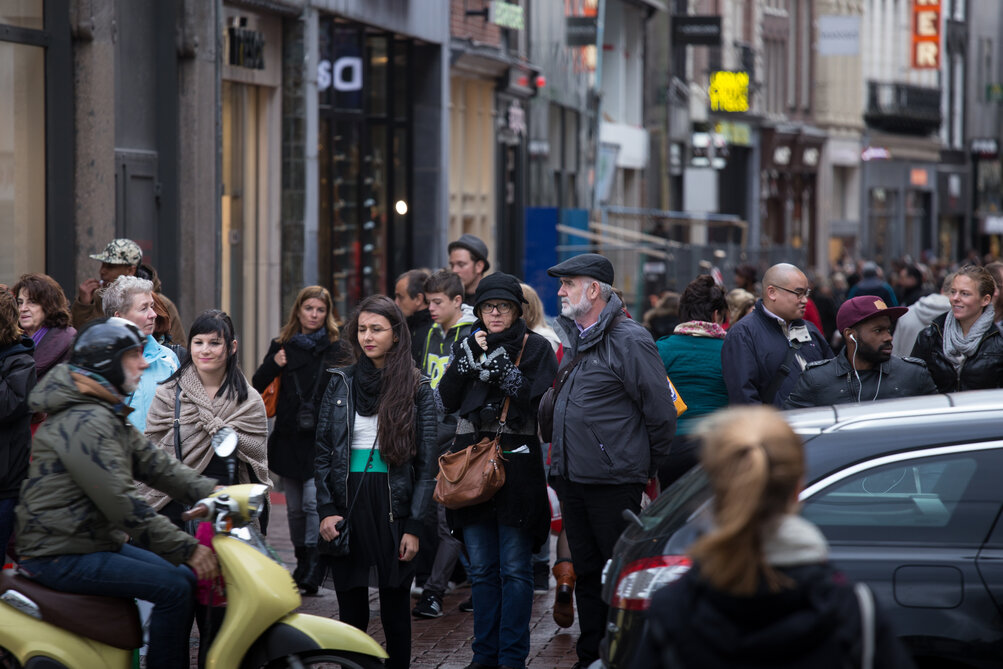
{"type": "Point", "coordinates": [120, 252]}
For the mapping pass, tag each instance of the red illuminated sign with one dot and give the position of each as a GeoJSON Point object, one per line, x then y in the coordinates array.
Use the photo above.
{"type": "Point", "coordinates": [926, 29]}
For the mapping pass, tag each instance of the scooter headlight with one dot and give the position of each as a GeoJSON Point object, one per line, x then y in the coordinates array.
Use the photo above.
{"type": "Point", "coordinates": [256, 500]}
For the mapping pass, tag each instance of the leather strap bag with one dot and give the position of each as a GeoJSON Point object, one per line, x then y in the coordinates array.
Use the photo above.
{"type": "Point", "coordinates": [473, 475]}
{"type": "Point", "coordinates": [339, 546]}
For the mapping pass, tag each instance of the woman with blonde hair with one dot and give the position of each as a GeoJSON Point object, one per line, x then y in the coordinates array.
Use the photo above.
{"type": "Point", "coordinates": [761, 591]}
{"type": "Point", "coordinates": [740, 302]}
{"type": "Point", "coordinates": [534, 315]}
{"type": "Point", "coordinates": [307, 345]}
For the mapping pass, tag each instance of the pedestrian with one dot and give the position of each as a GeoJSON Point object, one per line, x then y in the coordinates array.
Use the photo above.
{"type": "Point", "coordinates": [80, 502]}
{"type": "Point", "coordinates": [375, 462]}
{"type": "Point", "coordinates": [176, 330]}
{"type": "Point", "coordinates": [208, 392]}
{"type": "Point", "coordinates": [17, 378]}
{"type": "Point", "coordinates": [692, 359]}
{"type": "Point", "coordinates": [740, 304]}
{"type": "Point", "coordinates": [501, 368]}
{"type": "Point", "coordinates": [535, 316]}
{"type": "Point", "coordinates": [920, 315]}
{"type": "Point", "coordinates": [872, 283]}
{"type": "Point", "coordinates": [468, 257]}
{"type": "Point", "coordinates": [866, 370]}
{"type": "Point", "coordinates": [131, 298]}
{"type": "Point", "coordinates": [763, 354]}
{"type": "Point", "coordinates": [44, 315]}
{"type": "Point", "coordinates": [761, 591]}
{"type": "Point", "coordinates": [162, 328]}
{"type": "Point", "coordinates": [409, 296]}
{"type": "Point", "coordinates": [613, 422]}
{"type": "Point", "coordinates": [963, 348]}
{"type": "Point", "coordinates": [451, 323]}
{"type": "Point", "coordinates": [662, 319]}
{"type": "Point", "coordinates": [307, 345]}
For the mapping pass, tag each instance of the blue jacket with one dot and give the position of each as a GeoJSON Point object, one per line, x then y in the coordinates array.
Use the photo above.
{"type": "Point", "coordinates": [162, 363]}
{"type": "Point", "coordinates": [753, 352]}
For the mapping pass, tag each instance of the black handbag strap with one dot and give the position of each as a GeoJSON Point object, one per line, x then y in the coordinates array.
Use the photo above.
{"type": "Point", "coordinates": [369, 462]}
{"type": "Point", "coordinates": [782, 373]}
{"type": "Point", "coordinates": [177, 420]}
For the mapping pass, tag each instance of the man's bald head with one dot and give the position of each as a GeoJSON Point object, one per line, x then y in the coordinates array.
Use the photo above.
{"type": "Point", "coordinates": [785, 290]}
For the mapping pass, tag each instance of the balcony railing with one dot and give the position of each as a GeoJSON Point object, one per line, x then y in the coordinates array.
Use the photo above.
{"type": "Point", "coordinates": [903, 108]}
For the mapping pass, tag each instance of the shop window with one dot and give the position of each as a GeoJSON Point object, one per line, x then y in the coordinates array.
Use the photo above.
{"type": "Point", "coordinates": [22, 13]}
{"type": "Point", "coordinates": [22, 149]}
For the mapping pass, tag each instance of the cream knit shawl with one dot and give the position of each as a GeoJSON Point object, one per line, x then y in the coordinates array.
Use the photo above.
{"type": "Point", "coordinates": [200, 419]}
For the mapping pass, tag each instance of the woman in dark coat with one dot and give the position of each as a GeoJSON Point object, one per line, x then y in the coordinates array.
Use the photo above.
{"type": "Point", "coordinates": [501, 534]}
{"type": "Point", "coordinates": [376, 454]}
{"type": "Point", "coordinates": [307, 344]}
{"type": "Point", "coordinates": [963, 348]}
{"type": "Point", "coordinates": [44, 315]}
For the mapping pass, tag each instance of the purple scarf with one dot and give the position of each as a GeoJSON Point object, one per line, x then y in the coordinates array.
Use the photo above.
{"type": "Point", "coordinates": [39, 335]}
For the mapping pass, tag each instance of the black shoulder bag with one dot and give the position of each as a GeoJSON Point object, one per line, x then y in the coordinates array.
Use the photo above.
{"type": "Point", "coordinates": [306, 415]}
{"type": "Point", "coordinates": [338, 547]}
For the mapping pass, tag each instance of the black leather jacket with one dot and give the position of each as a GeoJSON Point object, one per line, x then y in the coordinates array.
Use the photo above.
{"type": "Point", "coordinates": [410, 485]}
{"type": "Point", "coordinates": [832, 381]}
{"type": "Point", "coordinates": [983, 370]}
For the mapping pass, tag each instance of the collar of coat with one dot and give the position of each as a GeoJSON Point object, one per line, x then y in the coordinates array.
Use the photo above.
{"type": "Point", "coordinates": [843, 367]}
{"type": "Point", "coordinates": [92, 387]}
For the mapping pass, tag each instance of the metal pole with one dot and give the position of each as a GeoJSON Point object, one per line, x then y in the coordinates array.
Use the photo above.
{"type": "Point", "coordinates": [600, 23]}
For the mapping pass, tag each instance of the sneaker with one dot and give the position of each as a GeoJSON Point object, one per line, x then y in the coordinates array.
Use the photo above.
{"type": "Point", "coordinates": [453, 586]}
{"type": "Point", "coordinates": [430, 606]}
{"type": "Point", "coordinates": [467, 605]}
{"type": "Point", "coordinates": [416, 590]}
{"type": "Point", "coordinates": [541, 577]}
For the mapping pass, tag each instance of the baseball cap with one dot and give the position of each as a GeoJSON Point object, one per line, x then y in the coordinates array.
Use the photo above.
{"type": "Point", "coordinates": [120, 252]}
{"type": "Point", "coordinates": [859, 309]}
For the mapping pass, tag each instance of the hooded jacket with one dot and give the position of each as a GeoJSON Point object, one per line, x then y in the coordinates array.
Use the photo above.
{"type": "Point", "coordinates": [832, 381]}
{"type": "Point", "coordinates": [410, 484]}
{"type": "Point", "coordinates": [162, 363]}
{"type": "Point", "coordinates": [983, 370]}
{"type": "Point", "coordinates": [17, 378]}
{"type": "Point", "coordinates": [614, 419]}
{"type": "Point", "coordinates": [920, 315]}
{"type": "Point", "coordinates": [813, 624]}
{"type": "Point", "coordinates": [80, 496]}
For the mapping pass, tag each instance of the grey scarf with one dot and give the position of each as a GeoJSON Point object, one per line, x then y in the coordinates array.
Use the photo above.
{"type": "Point", "coordinates": [958, 347]}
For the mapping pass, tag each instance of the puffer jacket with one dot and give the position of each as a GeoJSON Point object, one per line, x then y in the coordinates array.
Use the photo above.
{"type": "Point", "coordinates": [17, 378]}
{"type": "Point", "coordinates": [411, 484]}
{"type": "Point", "coordinates": [983, 370]}
{"type": "Point", "coordinates": [162, 363]}
{"type": "Point", "coordinates": [80, 496]}
{"type": "Point", "coordinates": [614, 419]}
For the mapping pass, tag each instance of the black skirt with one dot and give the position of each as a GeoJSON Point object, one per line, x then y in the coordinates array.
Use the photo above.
{"type": "Point", "coordinates": [373, 541]}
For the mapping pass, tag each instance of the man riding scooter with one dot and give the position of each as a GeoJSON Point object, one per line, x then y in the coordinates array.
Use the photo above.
{"type": "Point", "coordinates": [79, 503]}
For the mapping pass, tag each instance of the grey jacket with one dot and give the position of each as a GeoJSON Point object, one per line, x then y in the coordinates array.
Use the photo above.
{"type": "Point", "coordinates": [832, 381]}
{"type": "Point", "coordinates": [614, 418]}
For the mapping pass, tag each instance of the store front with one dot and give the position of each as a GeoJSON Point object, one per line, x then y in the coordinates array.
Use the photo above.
{"type": "Point", "coordinates": [36, 141]}
{"type": "Point", "coordinates": [251, 132]}
{"type": "Point", "coordinates": [899, 200]}
{"type": "Point", "coordinates": [987, 203]}
{"type": "Point", "coordinates": [789, 183]}
{"type": "Point", "coordinates": [364, 237]}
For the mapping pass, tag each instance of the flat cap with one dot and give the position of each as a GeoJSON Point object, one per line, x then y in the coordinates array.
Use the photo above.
{"type": "Point", "coordinates": [478, 249]}
{"type": "Point", "coordinates": [859, 309]}
{"type": "Point", "coordinates": [587, 264]}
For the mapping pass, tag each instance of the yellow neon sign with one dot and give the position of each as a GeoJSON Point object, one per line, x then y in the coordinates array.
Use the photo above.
{"type": "Point", "coordinates": [729, 91]}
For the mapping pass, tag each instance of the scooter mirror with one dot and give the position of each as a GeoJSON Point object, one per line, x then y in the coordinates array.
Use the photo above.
{"type": "Point", "coordinates": [224, 442]}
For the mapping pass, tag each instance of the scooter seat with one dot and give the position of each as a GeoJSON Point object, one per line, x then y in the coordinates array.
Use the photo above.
{"type": "Point", "coordinates": [111, 620]}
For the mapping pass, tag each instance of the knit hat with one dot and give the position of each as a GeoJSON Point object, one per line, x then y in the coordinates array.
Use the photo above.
{"type": "Point", "coordinates": [499, 286]}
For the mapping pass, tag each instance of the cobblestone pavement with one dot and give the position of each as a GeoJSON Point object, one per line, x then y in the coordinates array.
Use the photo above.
{"type": "Point", "coordinates": [442, 643]}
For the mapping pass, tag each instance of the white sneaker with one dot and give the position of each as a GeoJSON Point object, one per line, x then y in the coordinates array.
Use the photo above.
{"type": "Point", "coordinates": [416, 590]}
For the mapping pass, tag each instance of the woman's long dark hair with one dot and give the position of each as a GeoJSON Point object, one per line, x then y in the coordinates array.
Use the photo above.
{"type": "Point", "coordinates": [396, 428]}
{"type": "Point", "coordinates": [217, 322]}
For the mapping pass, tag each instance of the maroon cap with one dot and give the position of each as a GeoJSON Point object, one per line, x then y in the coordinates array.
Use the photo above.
{"type": "Point", "coordinates": [861, 308]}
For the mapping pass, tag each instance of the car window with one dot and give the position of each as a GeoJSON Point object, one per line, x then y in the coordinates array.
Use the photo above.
{"type": "Point", "coordinates": [946, 499]}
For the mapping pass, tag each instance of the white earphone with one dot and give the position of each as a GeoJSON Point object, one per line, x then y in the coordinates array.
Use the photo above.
{"type": "Point", "coordinates": [854, 339]}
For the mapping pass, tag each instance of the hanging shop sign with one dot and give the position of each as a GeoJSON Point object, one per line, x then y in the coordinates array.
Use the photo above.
{"type": "Point", "coordinates": [729, 91]}
{"type": "Point", "coordinates": [581, 31]}
{"type": "Point", "coordinates": [838, 35]}
{"type": "Point", "coordinates": [696, 30]}
{"type": "Point", "coordinates": [505, 15]}
{"type": "Point", "coordinates": [985, 148]}
{"type": "Point", "coordinates": [926, 28]}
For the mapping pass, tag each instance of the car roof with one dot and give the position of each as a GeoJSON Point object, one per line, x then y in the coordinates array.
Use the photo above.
{"type": "Point", "coordinates": [840, 435]}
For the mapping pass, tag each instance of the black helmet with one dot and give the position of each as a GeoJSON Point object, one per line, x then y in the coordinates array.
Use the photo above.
{"type": "Point", "coordinates": [100, 344]}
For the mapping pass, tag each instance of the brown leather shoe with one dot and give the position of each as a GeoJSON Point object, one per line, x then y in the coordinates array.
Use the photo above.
{"type": "Point", "coordinates": [564, 609]}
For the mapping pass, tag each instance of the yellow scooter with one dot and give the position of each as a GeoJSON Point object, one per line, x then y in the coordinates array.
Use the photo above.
{"type": "Point", "coordinates": [47, 629]}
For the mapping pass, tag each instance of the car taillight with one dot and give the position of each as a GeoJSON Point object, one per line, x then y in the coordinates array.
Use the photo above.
{"type": "Point", "coordinates": [639, 580]}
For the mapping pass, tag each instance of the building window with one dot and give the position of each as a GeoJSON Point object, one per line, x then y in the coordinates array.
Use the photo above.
{"type": "Point", "coordinates": [22, 147]}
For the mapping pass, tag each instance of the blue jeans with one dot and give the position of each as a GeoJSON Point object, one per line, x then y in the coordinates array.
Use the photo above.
{"type": "Point", "coordinates": [137, 573]}
{"type": "Point", "coordinates": [501, 577]}
{"type": "Point", "coordinates": [301, 510]}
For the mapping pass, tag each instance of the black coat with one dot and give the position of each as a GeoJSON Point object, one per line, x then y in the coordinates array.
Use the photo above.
{"type": "Point", "coordinates": [815, 624]}
{"type": "Point", "coordinates": [832, 381]}
{"type": "Point", "coordinates": [291, 450]}
{"type": "Point", "coordinates": [411, 483]}
{"type": "Point", "coordinates": [983, 370]}
{"type": "Point", "coordinates": [17, 378]}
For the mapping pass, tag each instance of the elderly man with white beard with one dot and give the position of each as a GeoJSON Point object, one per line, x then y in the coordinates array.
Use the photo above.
{"type": "Point", "coordinates": [613, 423]}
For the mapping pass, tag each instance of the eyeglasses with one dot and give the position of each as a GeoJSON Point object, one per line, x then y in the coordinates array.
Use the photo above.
{"type": "Point", "coordinates": [501, 307]}
{"type": "Point", "coordinates": [800, 293]}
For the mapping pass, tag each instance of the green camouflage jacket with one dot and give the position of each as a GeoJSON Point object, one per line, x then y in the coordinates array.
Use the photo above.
{"type": "Point", "coordinates": [80, 496]}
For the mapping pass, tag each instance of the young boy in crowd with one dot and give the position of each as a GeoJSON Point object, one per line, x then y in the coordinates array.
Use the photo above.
{"type": "Point", "coordinates": [451, 321]}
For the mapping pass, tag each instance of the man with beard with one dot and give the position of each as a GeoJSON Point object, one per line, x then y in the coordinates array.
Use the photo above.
{"type": "Point", "coordinates": [614, 420]}
{"type": "Point", "coordinates": [866, 370]}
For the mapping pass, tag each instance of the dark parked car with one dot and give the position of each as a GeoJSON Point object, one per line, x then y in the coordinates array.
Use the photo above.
{"type": "Point", "coordinates": [908, 492]}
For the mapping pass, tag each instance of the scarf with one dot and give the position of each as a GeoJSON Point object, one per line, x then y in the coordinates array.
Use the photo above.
{"type": "Point", "coordinates": [39, 334]}
{"type": "Point", "coordinates": [201, 418]}
{"type": "Point", "coordinates": [700, 329]}
{"type": "Point", "coordinates": [367, 383]}
{"type": "Point", "coordinates": [510, 339]}
{"type": "Point", "coordinates": [309, 342]}
{"type": "Point", "coordinates": [957, 347]}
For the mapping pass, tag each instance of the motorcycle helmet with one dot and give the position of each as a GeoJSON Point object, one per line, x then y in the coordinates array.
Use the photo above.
{"type": "Point", "coordinates": [100, 344]}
